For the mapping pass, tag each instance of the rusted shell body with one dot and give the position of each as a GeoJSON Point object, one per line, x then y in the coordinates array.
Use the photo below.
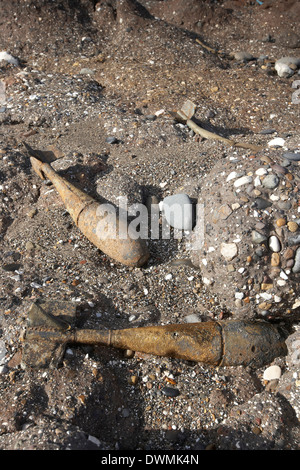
{"type": "Point", "coordinates": [229, 343]}
{"type": "Point", "coordinates": [108, 232]}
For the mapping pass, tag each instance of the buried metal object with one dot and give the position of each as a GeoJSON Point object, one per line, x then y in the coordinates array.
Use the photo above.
{"type": "Point", "coordinates": [226, 343]}
{"type": "Point", "coordinates": [100, 223]}
{"type": "Point", "coordinates": [185, 115]}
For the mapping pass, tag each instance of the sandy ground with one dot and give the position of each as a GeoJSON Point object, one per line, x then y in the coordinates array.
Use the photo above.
{"type": "Point", "coordinates": [88, 71]}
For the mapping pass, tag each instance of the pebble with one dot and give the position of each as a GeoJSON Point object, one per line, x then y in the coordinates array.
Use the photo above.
{"type": "Point", "coordinates": [274, 244]}
{"type": "Point", "coordinates": [292, 226]}
{"type": "Point", "coordinates": [267, 131]}
{"type": "Point", "coordinates": [229, 251]}
{"type": "Point", "coordinates": [261, 203]}
{"type": "Point", "coordinates": [294, 240]}
{"type": "Point", "coordinates": [3, 352]}
{"type": "Point", "coordinates": [285, 66]}
{"type": "Point", "coordinates": [277, 142]}
{"type": "Point", "coordinates": [279, 169]}
{"type": "Point", "coordinates": [272, 373]}
{"type": "Point", "coordinates": [170, 392]}
{"type": "Point", "coordinates": [258, 238]}
{"type": "Point", "coordinates": [86, 71]}
{"type": "Point", "coordinates": [193, 318]}
{"type": "Point", "coordinates": [178, 211]}
{"type": "Point", "coordinates": [270, 181]}
{"type": "Point", "coordinates": [281, 222]}
{"type": "Point", "coordinates": [292, 156]}
{"type": "Point", "coordinates": [275, 259]}
{"type": "Point", "coordinates": [243, 56]}
{"type": "Point", "coordinates": [4, 56]}
{"type": "Point", "coordinates": [242, 181]}
{"type": "Point", "coordinates": [111, 140]}
{"type": "Point", "coordinates": [296, 267]}
{"type": "Point", "coordinates": [284, 205]}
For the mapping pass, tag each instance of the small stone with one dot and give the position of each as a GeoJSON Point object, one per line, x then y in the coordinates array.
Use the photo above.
{"type": "Point", "coordinates": [272, 373]}
{"type": "Point", "coordinates": [111, 140]}
{"type": "Point", "coordinates": [258, 238]}
{"type": "Point", "coordinates": [265, 159]}
{"type": "Point", "coordinates": [32, 213]}
{"type": "Point", "coordinates": [288, 253]}
{"type": "Point", "coordinates": [3, 352]}
{"type": "Point", "coordinates": [292, 226]}
{"type": "Point", "coordinates": [266, 286]}
{"type": "Point", "coordinates": [275, 259]}
{"type": "Point", "coordinates": [242, 181]}
{"type": "Point", "coordinates": [256, 430]}
{"type": "Point", "coordinates": [281, 222]}
{"type": "Point", "coordinates": [243, 56]}
{"type": "Point", "coordinates": [261, 203]}
{"type": "Point", "coordinates": [11, 267]}
{"type": "Point", "coordinates": [292, 156]}
{"type": "Point", "coordinates": [283, 66]}
{"type": "Point", "coordinates": [296, 267]}
{"type": "Point", "coordinates": [192, 318]}
{"type": "Point", "coordinates": [5, 57]}
{"type": "Point", "coordinates": [264, 306]}
{"type": "Point", "coordinates": [279, 169]}
{"type": "Point", "coordinates": [267, 131]}
{"type": "Point", "coordinates": [224, 212]}
{"type": "Point", "coordinates": [270, 181]}
{"type": "Point", "coordinates": [87, 71]}
{"type": "Point", "coordinates": [133, 380]}
{"type": "Point", "coordinates": [277, 142]}
{"type": "Point", "coordinates": [229, 250]}
{"type": "Point", "coordinates": [170, 392]}
{"type": "Point", "coordinates": [178, 211]}
{"type": "Point", "coordinates": [234, 175]}
{"type": "Point", "coordinates": [294, 240]}
{"type": "Point", "coordinates": [29, 246]}
{"type": "Point", "coordinates": [261, 172]}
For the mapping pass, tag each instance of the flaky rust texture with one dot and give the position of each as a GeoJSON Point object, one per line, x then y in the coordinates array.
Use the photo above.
{"type": "Point", "coordinates": [230, 343]}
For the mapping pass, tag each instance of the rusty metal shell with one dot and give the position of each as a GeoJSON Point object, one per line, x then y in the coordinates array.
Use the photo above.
{"type": "Point", "coordinates": [110, 234]}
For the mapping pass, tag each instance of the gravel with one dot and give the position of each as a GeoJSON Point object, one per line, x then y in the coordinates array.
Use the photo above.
{"type": "Point", "coordinates": [113, 69]}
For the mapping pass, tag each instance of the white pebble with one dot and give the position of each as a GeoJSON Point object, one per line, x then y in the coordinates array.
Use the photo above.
{"type": "Point", "coordinates": [274, 244]}
{"type": "Point", "coordinates": [232, 175]}
{"type": "Point", "coordinates": [277, 142]}
{"type": "Point", "coordinates": [229, 250]}
{"type": "Point", "coordinates": [243, 180]}
{"type": "Point", "coordinates": [272, 372]}
{"type": "Point", "coordinates": [168, 277]}
{"type": "Point", "coordinates": [283, 275]}
{"type": "Point", "coordinates": [8, 58]}
{"type": "Point", "coordinates": [239, 295]}
{"type": "Point", "coordinates": [261, 172]}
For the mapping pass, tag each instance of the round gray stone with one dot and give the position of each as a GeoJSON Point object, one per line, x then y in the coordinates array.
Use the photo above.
{"type": "Point", "coordinates": [178, 211]}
